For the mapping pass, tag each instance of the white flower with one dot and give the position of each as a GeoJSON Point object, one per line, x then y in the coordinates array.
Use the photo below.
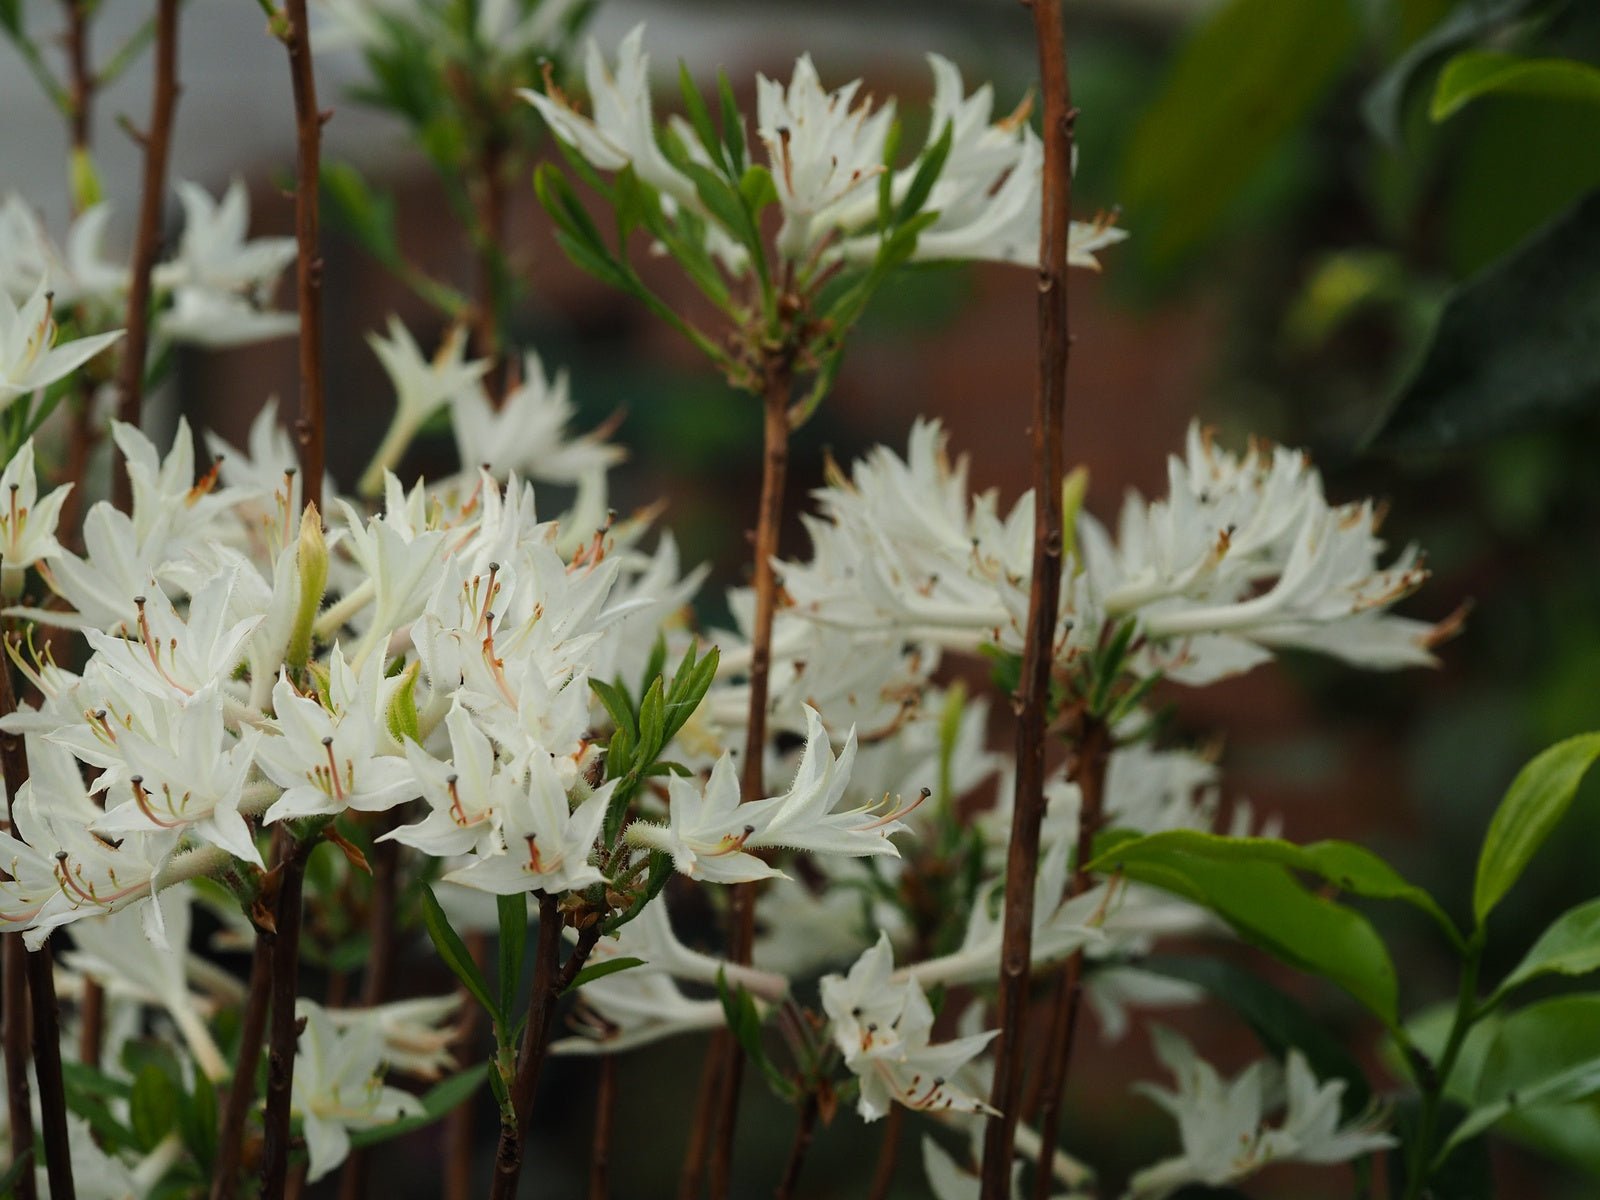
{"type": "Point", "coordinates": [77, 274]}
{"type": "Point", "coordinates": [544, 843]}
{"type": "Point", "coordinates": [1220, 1122]}
{"type": "Point", "coordinates": [821, 147]}
{"type": "Point", "coordinates": [467, 795]}
{"type": "Point", "coordinates": [881, 1028]}
{"type": "Point", "coordinates": [634, 1008]}
{"type": "Point", "coordinates": [527, 433]}
{"type": "Point", "coordinates": [170, 656]}
{"type": "Point", "coordinates": [192, 779]}
{"type": "Point", "coordinates": [421, 388]}
{"type": "Point", "coordinates": [622, 130]}
{"type": "Point", "coordinates": [326, 759]}
{"type": "Point", "coordinates": [29, 356]}
{"type": "Point", "coordinates": [418, 1034]}
{"type": "Point", "coordinates": [708, 829]}
{"type": "Point", "coordinates": [338, 1084]}
{"type": "Point", "coordinates": [27, 524]}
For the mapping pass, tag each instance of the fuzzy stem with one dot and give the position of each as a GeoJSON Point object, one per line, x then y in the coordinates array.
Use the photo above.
{"type": "Point", "coordinates": [1089, 773]}
{"type": "Point", "coordinates": [1043, 601]}
{"type": "Point", "coordinates": [311, 426]}
{"type": "Point", "coordinates": [779, 384]}
{"type": "Point", "coordinates": [242, 1091]}
{"type": "Point", "coordinates": [605, 1104]}
{"type": "Point", "coordinates": [284, 1030]}
{"type": "Point", "coordinates": [157, 143]}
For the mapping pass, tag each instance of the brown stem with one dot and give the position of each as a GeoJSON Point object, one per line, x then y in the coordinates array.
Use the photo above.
{"type": "Point", "coordinates": [18, 1103]}
{"type": "Point", "coordinates": [312, 426]}
{"type": "Point", "coordinates": [37, 971]}
{"type": "Point", "coordinates": [888, 1153]}
{"type": "Point", "coordinates": [805, 1130]}
{"type": "Point", "coordinates": [1016, 954]}
{"type": "Point", "coordinates": [1089, 773]}
{"type": "Point", "coordinates": [80, 79]}
{"type": "Point", "coordinates": [605, 1104]}
{"type": "Point", "coordinates": [284, 1029]}
{"type": "Point", "coordinates": [779, 383]}
{"type": "Point", "coordinates": [458, 1130]}
{"type": "Point", "coordinates": [692, 1174]}
{"type": "Point", "coordinates": [549, 981]}
{"type": "Point", "coordinates": [47, 1070]}
{"type": "Point", "coordinates": [242, 1089]}
{"type": "Point", "coordinates": [91, 1023]}
{"type": "Point", "coordinates": [157, 143]}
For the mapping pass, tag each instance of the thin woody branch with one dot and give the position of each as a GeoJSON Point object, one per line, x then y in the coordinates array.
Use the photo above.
{"type": "Point", "coordinates": [1091, 758]}
{"type": "Point", "coordinates": [157, 141]}
{"type": "Point", "coordinates": [311, 427]}
{"type": "Point", "coordinates": [1044, 597]}
{"type": "Point", "coordinates": [284, 1029]}
{"type": "Point", "coordinates": [242, 1089]}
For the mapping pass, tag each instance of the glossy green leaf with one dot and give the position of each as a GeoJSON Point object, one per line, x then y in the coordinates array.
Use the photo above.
{"type": "Point", "coordinates": [1385, 103]}
{"type": "Point", "coordinates": [1270, 908]}
{"type": "Point", "coordinates": [1243, 83]}
{"type": "Point", "coordinates": [1569, 946]}
{"type": "Point", "coordinates": [153, 1107]}
{"type": "Point", "coordinates": [1349, 867]}
{"type": "Point", "coordinates": [437, 1102]}
{"type": "Point", "coordinates": [1545, 1055]}
{"type": "Point", "coordinates": [1483, 72]}
{"type": "Point", "coordinates": [455, 954]}
{"type": "Point", "coordinates": [1537, 800]}
{"type": "Point", "coordinates": [600, 970]}
{"type": "Point", "coordinates": [1514, 346]}
{"type": "Point", "coordinates": [700, 116]}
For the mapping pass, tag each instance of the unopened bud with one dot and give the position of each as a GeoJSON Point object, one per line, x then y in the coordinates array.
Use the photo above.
{"type": "Point", "coordinates": [311, 556]}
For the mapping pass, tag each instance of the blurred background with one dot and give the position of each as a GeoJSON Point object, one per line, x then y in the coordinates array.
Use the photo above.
{"type": "Point", "coordinates": [1315, 256]}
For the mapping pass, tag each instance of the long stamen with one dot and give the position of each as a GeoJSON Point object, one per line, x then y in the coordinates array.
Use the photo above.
{"type": "Point", "coordinates": [333, 769]}
{"type": "Point", "coordinates": [902, 811]}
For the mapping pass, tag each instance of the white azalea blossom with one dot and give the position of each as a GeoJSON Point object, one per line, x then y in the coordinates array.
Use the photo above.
{"type": "Point", "coordinates": [27, 523]}
{"type": "Point", "coordinates": [338, 1084]}
{"type": "Point", "coordinates": [29, 356]}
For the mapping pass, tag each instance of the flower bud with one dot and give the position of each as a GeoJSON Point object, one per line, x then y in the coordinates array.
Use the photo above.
{"type": "Point", "coordinates": [311, 556]}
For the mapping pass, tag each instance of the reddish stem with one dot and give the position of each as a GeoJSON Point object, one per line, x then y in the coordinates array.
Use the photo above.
{"type": "Point", "coordinates": [1016, 954]}
{"type": "Point", "coordinates": [242, 1089]}
{"type": "Point", "coordinates": [312, 426]}
{"type": "Point", "coordinates": [157, 145]}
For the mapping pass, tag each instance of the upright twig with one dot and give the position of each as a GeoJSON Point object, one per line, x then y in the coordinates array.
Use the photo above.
{"type": "Point", "coordinates": [551, 978]}
{"type": "Point", "coordinates": [157, 141]}
{"type": "Point", "coordinates": [1091, 757]}
{"type": "Point", "coordinates": [311, 427]}
{"type": "Point", "coordinates": [284, 1028]}
{"type": "Point", "coordinates": [805, 1129]}
{"type": "Point", "coordinates": [691, 1177]}
{"type": "Point", "coordinates": [458, 1125]}
{"type": "Point", "coordinates": [80, 79]}
{"type": "Point", "coordinates": [19, 1104]}
{"type": "Point", "coordinates": [41, 999]}
{"type": "Point", "coordinates": [242, 1089]}
{"type": "Point", "coordinates": [605, 1104]}
{"type": "Point", "coordinates": [888, 1154]}
{"type": "Point", "coordinates": [1016, 954]}
{"type": "Point", "coordinates": [778, 384]}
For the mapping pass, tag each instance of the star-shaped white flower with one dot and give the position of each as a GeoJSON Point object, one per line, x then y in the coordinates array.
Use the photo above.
{"type": "Point", "coordinates": [29, 356]}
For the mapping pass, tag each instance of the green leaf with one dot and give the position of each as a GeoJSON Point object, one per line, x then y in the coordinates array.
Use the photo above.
{"type": "Point", "coordinates": [1349, 867]}
{"type": "Point", "coordinates": [1569, 946]}
{"type": "Point", "coordinates": [8, 1181]}
{"type": "Point", "coordinates": [1538, 798]}
{"type": "Point", "coordinates": [700, 116]}
{"type": "Point", "coordinates": [928, 168]}
{"type": "Point", "coordinates": [1242, 84]}
{"type": "Point", "coordinates": [617, 705]}
{"type": "Point", "coordinates": [1482, 72]}
{"type": "Point", "coordinates": [153, 1107]}
{"type": "Point", "coordinates": [733, 136]}
{"type": "Point", "coordinates": [1270, 908]}
{"type": "Point", "coordinates": [652, 722]}
{"type": "Point", "coordinates": [456, 955]}
{"type": "Point", "coordinates": [513, 914]}
{"type": "Point", "coordinates": [197, 1120]}
{"type": "Point", "coordinates": [1546, 1054]}
{"type": "Point", "coordinates": [353, 206]}
{"type": "Point", "coordinates": [600, 970]}
{"type": "Point", "coordinates": [437, 1102]}
{"type": "Point", "coordinates": [1279, 1022]}
{"type": "Point", "coordinates": [1514, 346]}
{"type": "Point", "coordinates": [1385, 103]}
